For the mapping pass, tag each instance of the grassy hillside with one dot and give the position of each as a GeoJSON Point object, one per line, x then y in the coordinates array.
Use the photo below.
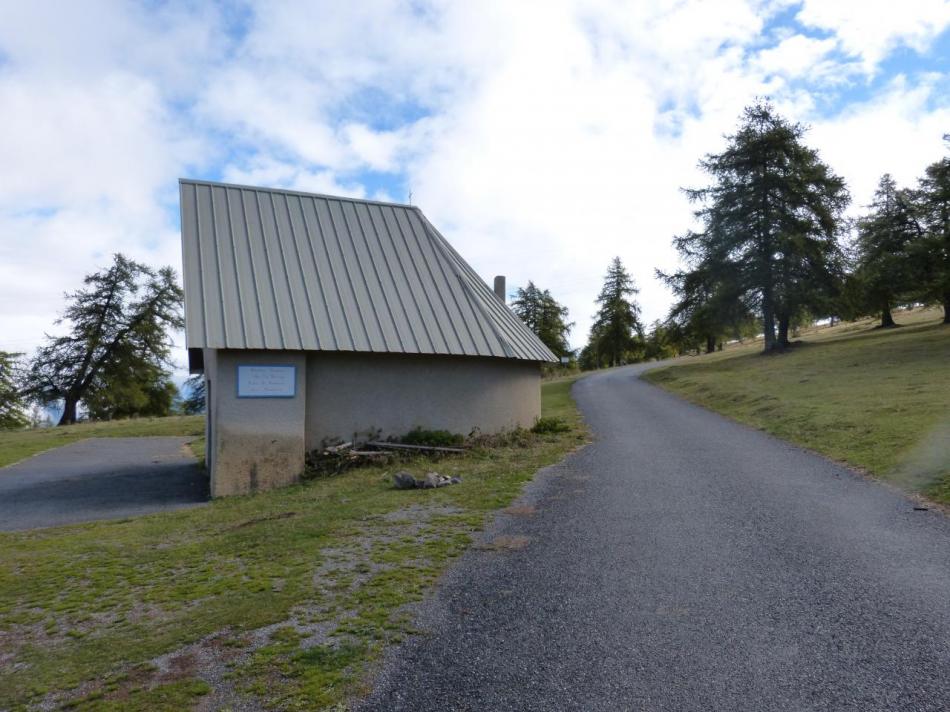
{"type": "Point", "coordinates": [281, 599]}
{"type": "Point", "coordinates": [16, 445]}
{"type": "Point", "coordinates": [876, 399]}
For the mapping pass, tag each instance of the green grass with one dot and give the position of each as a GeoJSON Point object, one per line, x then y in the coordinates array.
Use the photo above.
{"type": "Point", "coordinates": [86, 610]}
{"type": "Point", "coordinates": [16, 445]}
{"type": "Point", "coordinates": [876, 399]}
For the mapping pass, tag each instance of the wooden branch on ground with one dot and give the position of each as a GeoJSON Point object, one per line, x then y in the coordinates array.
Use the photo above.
{"type": "Point", "coordinates": [423, 448]}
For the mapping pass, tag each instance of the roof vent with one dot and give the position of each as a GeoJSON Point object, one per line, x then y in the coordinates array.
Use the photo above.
{"type": "Point", "coordinates": [500, 288]}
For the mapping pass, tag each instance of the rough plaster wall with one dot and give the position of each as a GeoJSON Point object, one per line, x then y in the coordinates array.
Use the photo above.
{"type": "Point", "coordinates": [257, 443]}
{"type": "Point", "coordinates": [351, 393]}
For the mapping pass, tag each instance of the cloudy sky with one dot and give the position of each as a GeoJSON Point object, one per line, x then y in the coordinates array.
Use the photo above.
{"type": "Point", "coordinates": [542, 138]}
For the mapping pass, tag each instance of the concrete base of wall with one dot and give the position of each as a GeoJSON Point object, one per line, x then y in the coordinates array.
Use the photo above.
{"type": "Point", "coordinates": [254, 443]}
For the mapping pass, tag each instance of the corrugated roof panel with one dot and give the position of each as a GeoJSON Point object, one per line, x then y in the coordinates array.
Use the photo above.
{"type": "Point", "coordinates": [211, 274]}
{"type": "Point", "coordinates": [356, 281]}
{"type": "Point", "coordinates": [272, 269]}
{"type": "Point", "coordinates": [190, 255]}
{"type": "Point", "coordinates": [279, 244]}
{"type": "Point", "coordinates": [445, 285]}
{"type": "Point", "coordinates": [231, 307]}
{"type": "Point", "coordinates": [369, 273]}
{"type": "Point", "coordinates": [327, 277]}
{"type": "Point", "coordinates": [262, 273]}
{"type": "Point", "coordinates": [431, 299]}
{"type": "Point", "coordinates": [413, 292]}
{"type": "Point", "coordinates": [293, 266]}
{"type": "Point", "coordinates": [409, 341]}
{"type": "Point", "coordinates": [319, 308]}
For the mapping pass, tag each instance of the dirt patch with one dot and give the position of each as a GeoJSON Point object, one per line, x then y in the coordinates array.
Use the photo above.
{"type": "Point", "coordinates": [521, 510]}
{"type": "Point", "coordinates": [506, 542]}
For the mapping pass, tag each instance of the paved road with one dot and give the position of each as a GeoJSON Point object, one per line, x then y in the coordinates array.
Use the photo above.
{"type": "Point", "coordinates": [100, 478]}
{"type": "Point", "coordinates": [685, 562]}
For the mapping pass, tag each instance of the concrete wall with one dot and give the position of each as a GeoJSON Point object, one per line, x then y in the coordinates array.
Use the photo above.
{"type": "Point", "coordinates": [350, 393]}
{"type": "Point", "coordinates": [254, 443]}
{"type": "Point", "coordinates": [259, 443]}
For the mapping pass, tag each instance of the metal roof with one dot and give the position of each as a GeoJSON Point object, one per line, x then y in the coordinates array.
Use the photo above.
{"type": "Point", "coordinates": [278, 269]}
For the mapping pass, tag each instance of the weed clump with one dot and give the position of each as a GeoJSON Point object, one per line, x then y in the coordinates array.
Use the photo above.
{"type": "Point", "coordinates": [551, 424]}
{"type": "Point", "coordinates": [431, 438]}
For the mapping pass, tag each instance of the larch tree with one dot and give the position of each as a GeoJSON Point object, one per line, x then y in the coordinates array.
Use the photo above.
{"type": "Point", "coordinates": [932, 251]}
{"type": "Point", "coordinates": [617, 333]}
{"type": "Point", "coordinates": [886, 236]}
{"type": "Point", "coordinates": [12, 408]}
{"type": "Point", "coordinates": [709, 305]}
{"type": "Point", "coordinates": [545, 316]}
{"type": "Point", "coordinates": [770, 220]}
{"type": "Point", "coordinates": [118, 328]}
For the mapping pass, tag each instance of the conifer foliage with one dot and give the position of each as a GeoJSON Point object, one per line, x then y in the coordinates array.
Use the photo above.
{"type": "Point", "coordinates": [616, 336]}
{"type": "Point", "coordinates": [771, 221]}
{"type": "Point", "coordinates": [932, 251]}
{"type": "Point", "coordinates": [116, 354]}
{"type": "Point", "coordinates": [542, 313]}
{"type": "Point", "coordinates": [886, 235]}
{"type": "Point", "coordinates": [12, 408]}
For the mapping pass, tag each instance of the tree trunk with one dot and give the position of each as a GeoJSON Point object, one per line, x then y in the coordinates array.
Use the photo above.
{"type": "Point", "coordinates": [768, 323]}
{"type": "Point", "coordinates": [886, 319]}
{"type": "Point", "coordinates": [710, 344]}
{"type": "Point", "coordinates": [783, 323]}
{"type": "Point", "coordinates": [946, 307]}
{"type": "Point", "coordinates": [69, 411]}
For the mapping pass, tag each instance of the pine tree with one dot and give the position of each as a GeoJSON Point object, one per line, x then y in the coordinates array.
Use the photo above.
{"type": "Point", "coordinates": [885, 238]}
{"type": "Point", "coordinates": [932, 251]}
{"type": "Point", "coordinates": [118, 326]}
{"type": "Point", "coordinates": [12, 408]}
{"type": "Point", "coordinates": [771, 219]}
{"type": "Point", "coordinates": [547, 318]}
{"type": "Point", "coordinates": [616, 335]}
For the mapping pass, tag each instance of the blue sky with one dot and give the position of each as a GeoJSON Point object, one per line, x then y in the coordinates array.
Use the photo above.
{"type": "Point", "coordinates": [542, 138]}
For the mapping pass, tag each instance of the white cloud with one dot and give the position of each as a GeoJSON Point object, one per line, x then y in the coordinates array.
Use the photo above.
{"type": "Point", "coordinates": [897, 132]}
{"type": "Point", "coordinates": [265, 171]}
{"type": "Point", "coordinates": [797, 56]}
{"type": "Point", "coordinates": [870, 29]}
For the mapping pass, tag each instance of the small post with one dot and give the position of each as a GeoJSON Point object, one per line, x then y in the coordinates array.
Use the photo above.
{"type": "Point", "coordinates": [500, 288]}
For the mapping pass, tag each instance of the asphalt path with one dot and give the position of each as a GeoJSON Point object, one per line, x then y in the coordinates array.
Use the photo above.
{"type": "Point", "coordinates": [100, 478]}
{"type": "Point", "coordinates": [685, 562]}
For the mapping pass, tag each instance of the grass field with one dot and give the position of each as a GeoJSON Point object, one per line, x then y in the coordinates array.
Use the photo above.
{"type": "Point", "coordinates": [876, 399]}
{"type": "Point", "coordinates": [284, 599]}
{"type": "Point", "coordinates": [16, 445]}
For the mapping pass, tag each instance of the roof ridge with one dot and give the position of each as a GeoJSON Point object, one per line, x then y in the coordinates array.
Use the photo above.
{"type": "Point", "coordinates": [288, 191]}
